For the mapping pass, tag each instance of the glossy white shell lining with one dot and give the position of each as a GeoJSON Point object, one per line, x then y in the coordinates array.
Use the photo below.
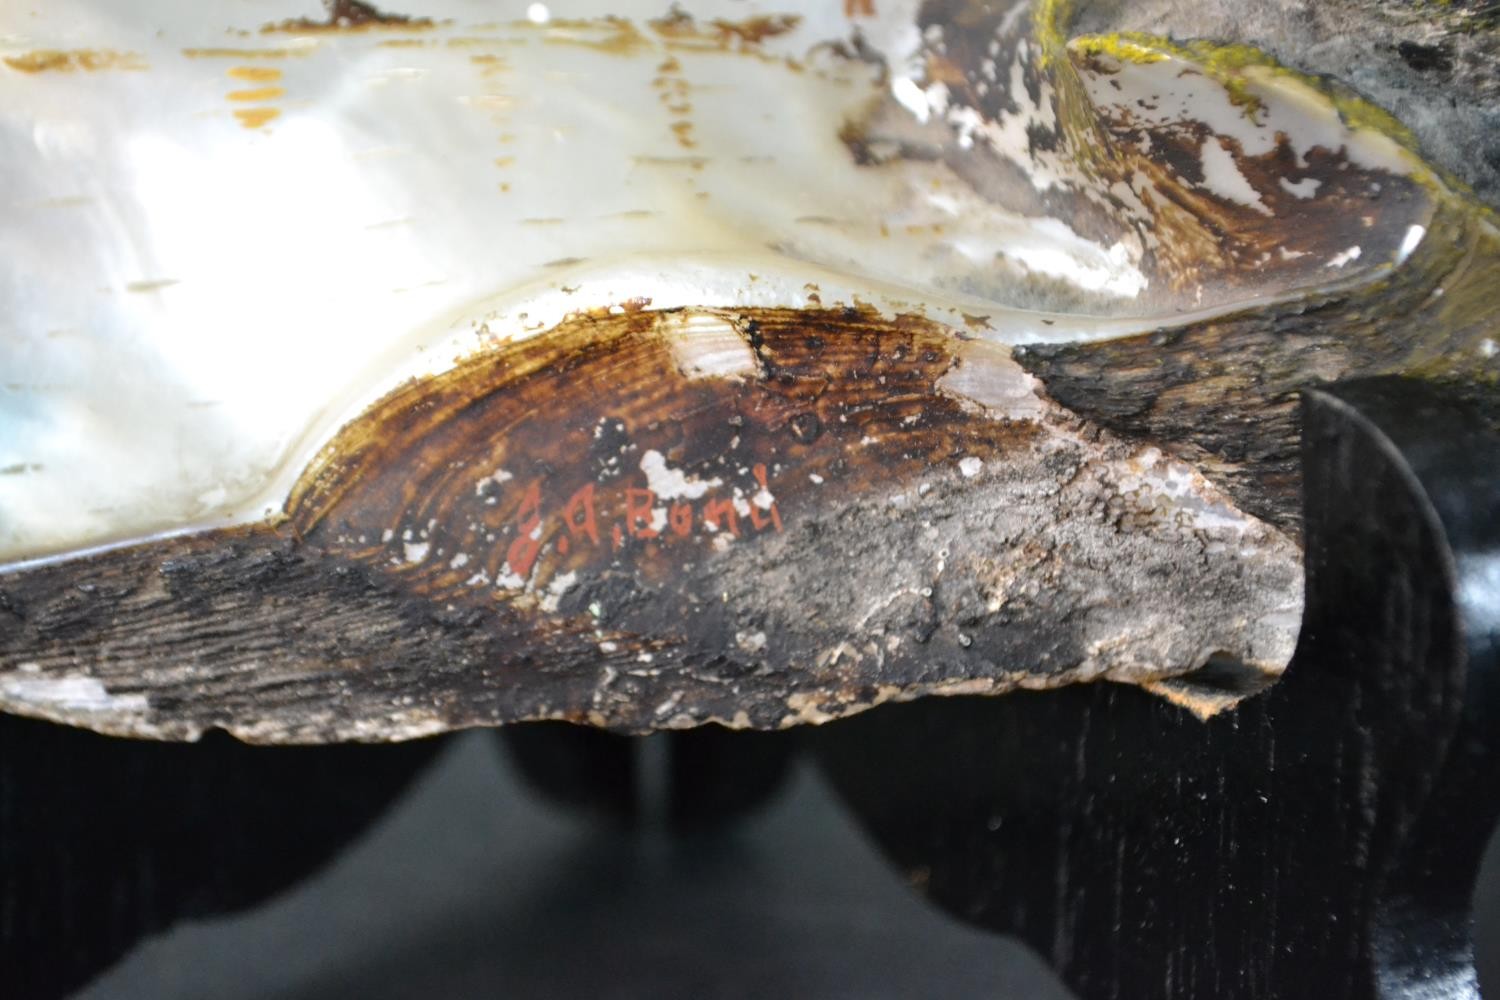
{"type": "Point", "coordinates": [195, 299]}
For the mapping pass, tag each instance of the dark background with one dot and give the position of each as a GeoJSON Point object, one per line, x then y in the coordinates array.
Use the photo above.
{"type": "Point", "coordinates": [471, 886]}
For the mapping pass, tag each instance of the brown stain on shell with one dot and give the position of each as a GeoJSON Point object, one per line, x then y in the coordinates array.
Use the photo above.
{"type": "Point", "coordinates": [610, 35]}
{"type": "Point", "coordinates": [680, 26]}
{"type": "Point", "coordinates": [254, 74]}
{"type": "Point", "coordinates": [847, 373]}
{"type": "Point", "coordinates": [256, 94]}
{"type": "Point", "coordinates": [1140, 181]}
{"type": "Point", "coordinates": [256, 117]}
{"type": "Point", "coordinates": [350, 15]}
{"type": "Point", "coordinates": [1205, 238]}
{"type": "Point", "coordinates": [71, 60]}
{"type": "Point", "coordinates": [239, 53]}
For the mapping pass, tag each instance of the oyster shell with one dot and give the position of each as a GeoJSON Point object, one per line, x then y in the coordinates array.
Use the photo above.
{"type": "Point", "coordinates": [378, 375]}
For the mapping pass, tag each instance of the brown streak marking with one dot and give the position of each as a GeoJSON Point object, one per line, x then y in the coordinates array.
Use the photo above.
{"type": "Point", "coordinates": [679, 26]}
{"type": "Point", "coordinates": [350, 16]}
{"type": "Point", "coordinates": [256, 117]}
{"type": "Point", "coordinates": [257, 94]}
{"type": "Point", "coordinates": [66, 61]}
{"type": "Point", "coordinates": [255, 74]}
{"type": "Point", "coordinates": [246, 53]}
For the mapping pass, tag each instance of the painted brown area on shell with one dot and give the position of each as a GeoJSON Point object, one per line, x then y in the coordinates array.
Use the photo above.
{"type": "Point", "coordinates": [1221, 393]}
{"type": "Point", "coordinates": [564, 437]}
{"type": "Point", "coordinates": [680, 26]}
{"type": "Point", "coordinates": [754, 30]}
{"type": "Point", "coordinates": [658, 519]}
{"type": "Point", "coordinates": [1263, 225]}
{"type": "Point", "coordinates": [264, 86]}
{"type": "Point", "coordinates": [236, 53]}
{"type": "Point", "coordinates": [256, 117]}
{"type": "Point", "coordinates": [255, 74]}
{"type": "Point", "coordinates": [256, 94]}
{"type": "Point", "coordinates": [610, 35]}
{"type": "Point", "coordinates": [1282, 239]}
{"type": "Point", "coordinates": [72, 60]}
{"type": "Point", "coordinates": [349, 15]}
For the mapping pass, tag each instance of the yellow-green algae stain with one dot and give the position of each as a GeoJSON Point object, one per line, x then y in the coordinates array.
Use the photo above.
{"type": "Point", "coordinates": [1226, 64]}
{"type": "Point", "coordinates": [1444, 338]}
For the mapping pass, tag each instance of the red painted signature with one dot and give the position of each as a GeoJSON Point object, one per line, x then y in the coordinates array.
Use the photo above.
{"type": "Point", "coordinates": [641, 515]}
